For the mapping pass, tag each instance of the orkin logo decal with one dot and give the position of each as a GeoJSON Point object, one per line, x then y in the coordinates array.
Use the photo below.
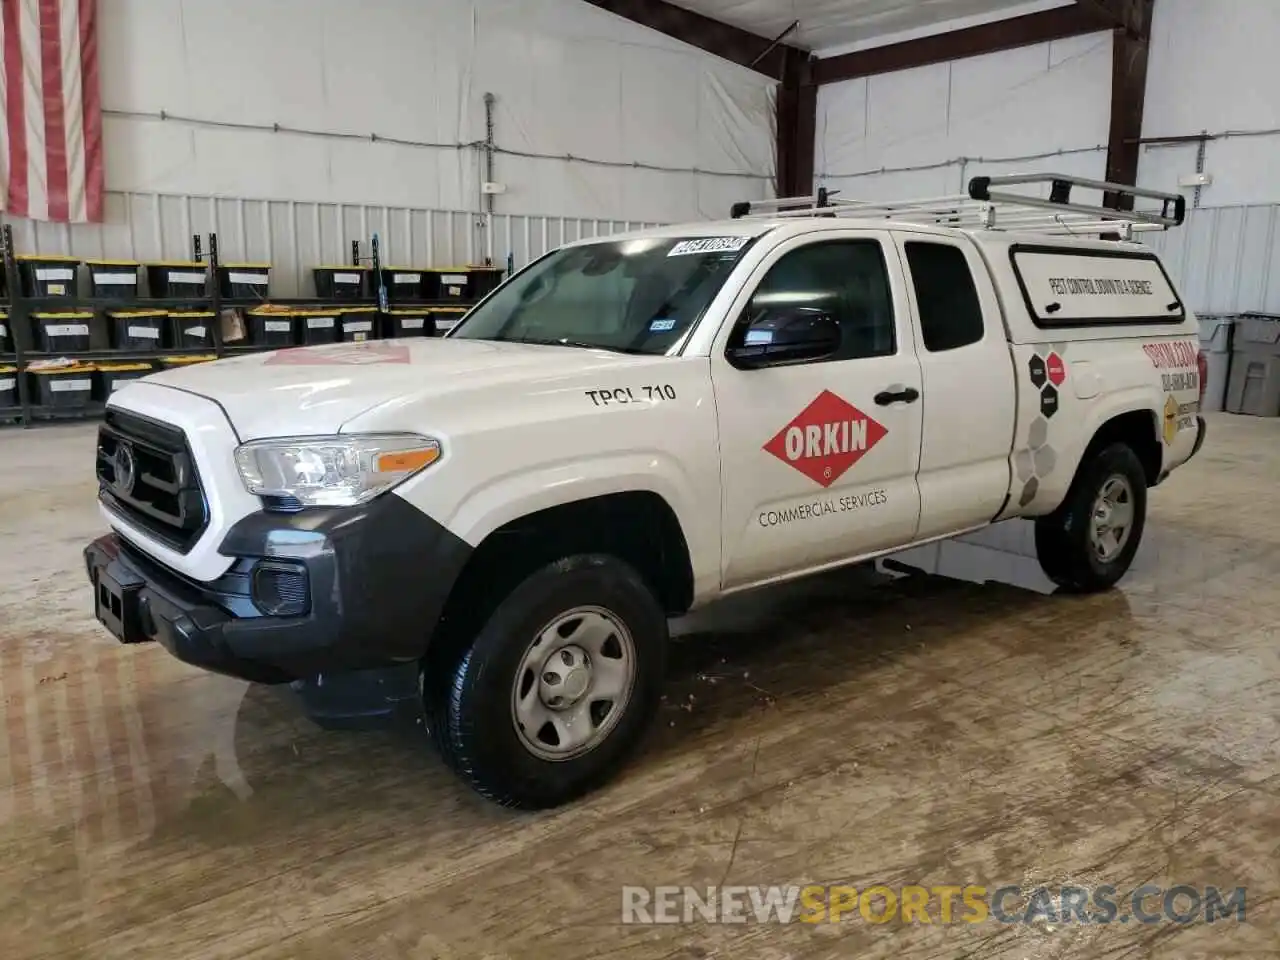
{"type": "Point", "coordinates": [826, 438]}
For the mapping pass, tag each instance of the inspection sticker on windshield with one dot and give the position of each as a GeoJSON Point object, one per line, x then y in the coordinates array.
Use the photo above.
{"type": "Point", "coordinates": [666, 323]}
{"type": "Point", "coordinates": [709, 245]}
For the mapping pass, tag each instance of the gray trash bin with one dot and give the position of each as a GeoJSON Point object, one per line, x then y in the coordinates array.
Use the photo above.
{"type": "Point", "coordinates": [1215, 342]}
{"type": "Point", "coordinates": [1254, 386]}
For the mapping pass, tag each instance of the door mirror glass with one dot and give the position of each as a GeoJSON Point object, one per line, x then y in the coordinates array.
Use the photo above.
{"type": "Point", "coordinates": [786, 334]}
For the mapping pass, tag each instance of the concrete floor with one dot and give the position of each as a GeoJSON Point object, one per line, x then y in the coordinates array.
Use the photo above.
{"type": "Point", "coordinates": [929, 731]}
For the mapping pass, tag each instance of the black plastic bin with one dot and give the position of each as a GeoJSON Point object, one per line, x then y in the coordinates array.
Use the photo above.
{"type": "Point", "coordinates": [113, 279]}
{"type": "Point", "coordinates": [48, 276]}
{"type": "Point", "coordinates": [448, 283]}
{"type": "Point", "coordinates": [340, 283]}
{"type": "Point", "coordinates": [177, 279]}
{"type": "Point", "coordinates": [484, 280]}
{"type": "Point", "coordinates": [1253, 387]}
{"type": "Point", "coordinates": [408, 322]}
{"type": "Point", "coordinates": [113, 376]}
{"type": "Point", "coordinates": [272, 327]}
{"type": "Point", "coordinates": [62, 332]}
{"type": "Point", "coordinates": [404, 283]}
{"type": "Point", "coordinates": [8, 386]}
{"type": "Point", "coordinates": [245, 281]}
{"type": "Point", "coordinates": [137, 329]}
{"type": "Point", "coordinates": [68, 388]}
{"type": "Point", "coordinates": [181, 363]}
{"type": "Point", "coordinates": [191, 329]}
{"type": "Point", "coordinates": [319, 325]}
{"type": "Point", "coordinates": [6, 339]}
{"type": "Point", "coordinates": [447, 318]}
{"type": "Point", "coordinates": [358, 324]}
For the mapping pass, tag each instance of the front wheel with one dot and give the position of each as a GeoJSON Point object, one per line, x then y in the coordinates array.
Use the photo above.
{"type": "Point", "coordinates": [556, 689]}
{"type": "Point", "coordinates": [1089, 542]}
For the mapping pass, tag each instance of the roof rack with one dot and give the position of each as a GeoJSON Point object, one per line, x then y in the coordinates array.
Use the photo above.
{"type": "Point", "coordinates": [985, 208]}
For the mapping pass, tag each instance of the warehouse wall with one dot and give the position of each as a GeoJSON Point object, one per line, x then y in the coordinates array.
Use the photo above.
{"type": "Point", "coordinates": [1225, 259]}
{"type": "Point", "coordinates": [924, 132]}
{"type": "Point", "coordinates": [569, 80]}
{"type": "Point", "coordinates": [1214, 68]}
{"type": "Point", "coordinates": [1218, 73]}
{"type": "Point", "coordinates": [639, 112]}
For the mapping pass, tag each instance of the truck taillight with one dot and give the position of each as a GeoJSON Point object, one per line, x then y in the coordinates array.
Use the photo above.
{"type": "Point", "coordinates": [1202, 365]}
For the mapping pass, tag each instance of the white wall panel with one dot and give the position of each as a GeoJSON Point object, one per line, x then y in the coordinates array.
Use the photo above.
{"type": "Point", "coordinates": [294, 236]}
{"type": "Point", "coordinates": [1214, 68]}
{"type": "Point", "coordinates": [570, 80]}
{"type": "Point", "coordinates": [1225, 259]}
{"type": "Point", "coordinates": [924, 132]}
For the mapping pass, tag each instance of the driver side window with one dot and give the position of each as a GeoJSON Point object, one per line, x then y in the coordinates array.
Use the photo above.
{"type": "Point", "coordinates": [844, 279]}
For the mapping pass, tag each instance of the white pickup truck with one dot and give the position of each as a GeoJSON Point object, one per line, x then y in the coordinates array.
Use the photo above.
{"type": "Point", "coordinates": [501, 521]}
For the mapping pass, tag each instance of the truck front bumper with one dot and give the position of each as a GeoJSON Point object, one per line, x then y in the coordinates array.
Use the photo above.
{"type": "Point", "coordinates": [321, 591]}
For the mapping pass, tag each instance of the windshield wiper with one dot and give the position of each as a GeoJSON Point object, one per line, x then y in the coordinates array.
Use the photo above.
{"type": "Point", "coordinates": [567, 342]}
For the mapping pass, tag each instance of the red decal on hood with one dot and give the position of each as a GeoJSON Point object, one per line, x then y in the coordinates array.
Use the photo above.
{"type": "Point", "coordinates": [347, 354]}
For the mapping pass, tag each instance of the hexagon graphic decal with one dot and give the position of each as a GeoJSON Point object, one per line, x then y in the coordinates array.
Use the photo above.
{"type": "Point", "coordinates": [1038, 435]}
{"type": "Point", "coordinates": [1049, 402]}
{"type": "Point", "coordinates": [1057, 369]}
{"type": "Point", "coordinates": [1045, 460]}
{"type": "Point", "coordinates": [1022, 462]}
{"type": "Point", "coordinates": [1039, 376]}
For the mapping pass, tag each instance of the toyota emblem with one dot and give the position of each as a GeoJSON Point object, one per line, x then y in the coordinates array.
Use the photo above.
{"type": "Point", "coordinates": [126, 468]}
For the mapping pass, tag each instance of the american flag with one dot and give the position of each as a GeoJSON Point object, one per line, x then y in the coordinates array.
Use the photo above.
{"type": "Point", "coordinates": [51, 138]}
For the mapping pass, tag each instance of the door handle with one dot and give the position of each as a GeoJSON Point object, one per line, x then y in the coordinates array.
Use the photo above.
{"type": "Point", "coordinates": [905, 395]}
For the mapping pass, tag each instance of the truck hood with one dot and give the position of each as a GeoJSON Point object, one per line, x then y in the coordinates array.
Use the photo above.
{"type": "Point", "coordinates": [315, 390]}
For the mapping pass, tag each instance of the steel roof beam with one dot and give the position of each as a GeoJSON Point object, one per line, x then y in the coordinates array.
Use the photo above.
{"type": "Point", "coordinates": [1084, 16]}
{"type": "Point", "coordinates": [761, 54]}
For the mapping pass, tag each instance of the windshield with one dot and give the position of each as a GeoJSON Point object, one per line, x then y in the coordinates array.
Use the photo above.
{"type": "Point", "coordinates": [633, 296]}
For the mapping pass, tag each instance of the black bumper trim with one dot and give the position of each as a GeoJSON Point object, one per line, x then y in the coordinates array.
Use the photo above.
{"type": "Point", "coordinates": [379, 577]}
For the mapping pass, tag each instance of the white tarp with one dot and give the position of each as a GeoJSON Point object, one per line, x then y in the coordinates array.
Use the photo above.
{"type": "Point", "coordinates": [570, 81]}
{"type": "Point", "coordinates": [924, 132]}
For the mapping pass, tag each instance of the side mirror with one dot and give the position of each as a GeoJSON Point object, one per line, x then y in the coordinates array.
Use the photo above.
{"type": "Point", "coordinates": [779, 335]}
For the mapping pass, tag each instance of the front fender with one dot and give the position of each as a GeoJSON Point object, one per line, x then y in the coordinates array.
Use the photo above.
{"type": "Point", "coordinates": [504, 497]}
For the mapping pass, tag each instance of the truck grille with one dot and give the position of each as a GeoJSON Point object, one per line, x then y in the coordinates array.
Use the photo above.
{"type": "Point", "coordinates": [147, 476]}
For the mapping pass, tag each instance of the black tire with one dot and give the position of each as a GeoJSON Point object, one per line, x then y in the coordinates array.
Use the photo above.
{"type": "Point", "coordinates": [470, 714]}
{"type": "Point", "coordinates": [1062, 538]}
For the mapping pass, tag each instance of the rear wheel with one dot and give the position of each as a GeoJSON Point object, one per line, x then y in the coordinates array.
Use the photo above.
{"type": "Point", "coordinates": [552, 695]}
{"type": "Point", "coordinates": [1089, 542]}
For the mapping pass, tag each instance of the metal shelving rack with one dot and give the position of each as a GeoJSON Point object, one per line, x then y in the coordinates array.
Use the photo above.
{"type": "Point", "coordinates": [21, 333]}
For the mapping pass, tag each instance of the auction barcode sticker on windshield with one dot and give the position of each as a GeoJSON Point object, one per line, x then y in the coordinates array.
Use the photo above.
{"type": "Point", "coordinates": [709, 245]}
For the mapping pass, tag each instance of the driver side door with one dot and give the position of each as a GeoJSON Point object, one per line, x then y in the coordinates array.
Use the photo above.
{"type": "Point", "coordinates": [819, 454]}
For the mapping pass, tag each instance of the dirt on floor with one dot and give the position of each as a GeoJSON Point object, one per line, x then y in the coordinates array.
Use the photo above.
{"type": "Point", "coordinates": [946, 724]}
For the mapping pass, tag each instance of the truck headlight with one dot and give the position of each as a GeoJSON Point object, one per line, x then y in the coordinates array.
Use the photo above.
{"type": "Point", "coordinates": [333, 471]}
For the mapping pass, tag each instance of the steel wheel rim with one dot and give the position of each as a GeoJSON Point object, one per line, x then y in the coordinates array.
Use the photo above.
{"type": "Point", "coordinates": [1112, 521]}
{"type": "Point", "coordinates": [573, 683]}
